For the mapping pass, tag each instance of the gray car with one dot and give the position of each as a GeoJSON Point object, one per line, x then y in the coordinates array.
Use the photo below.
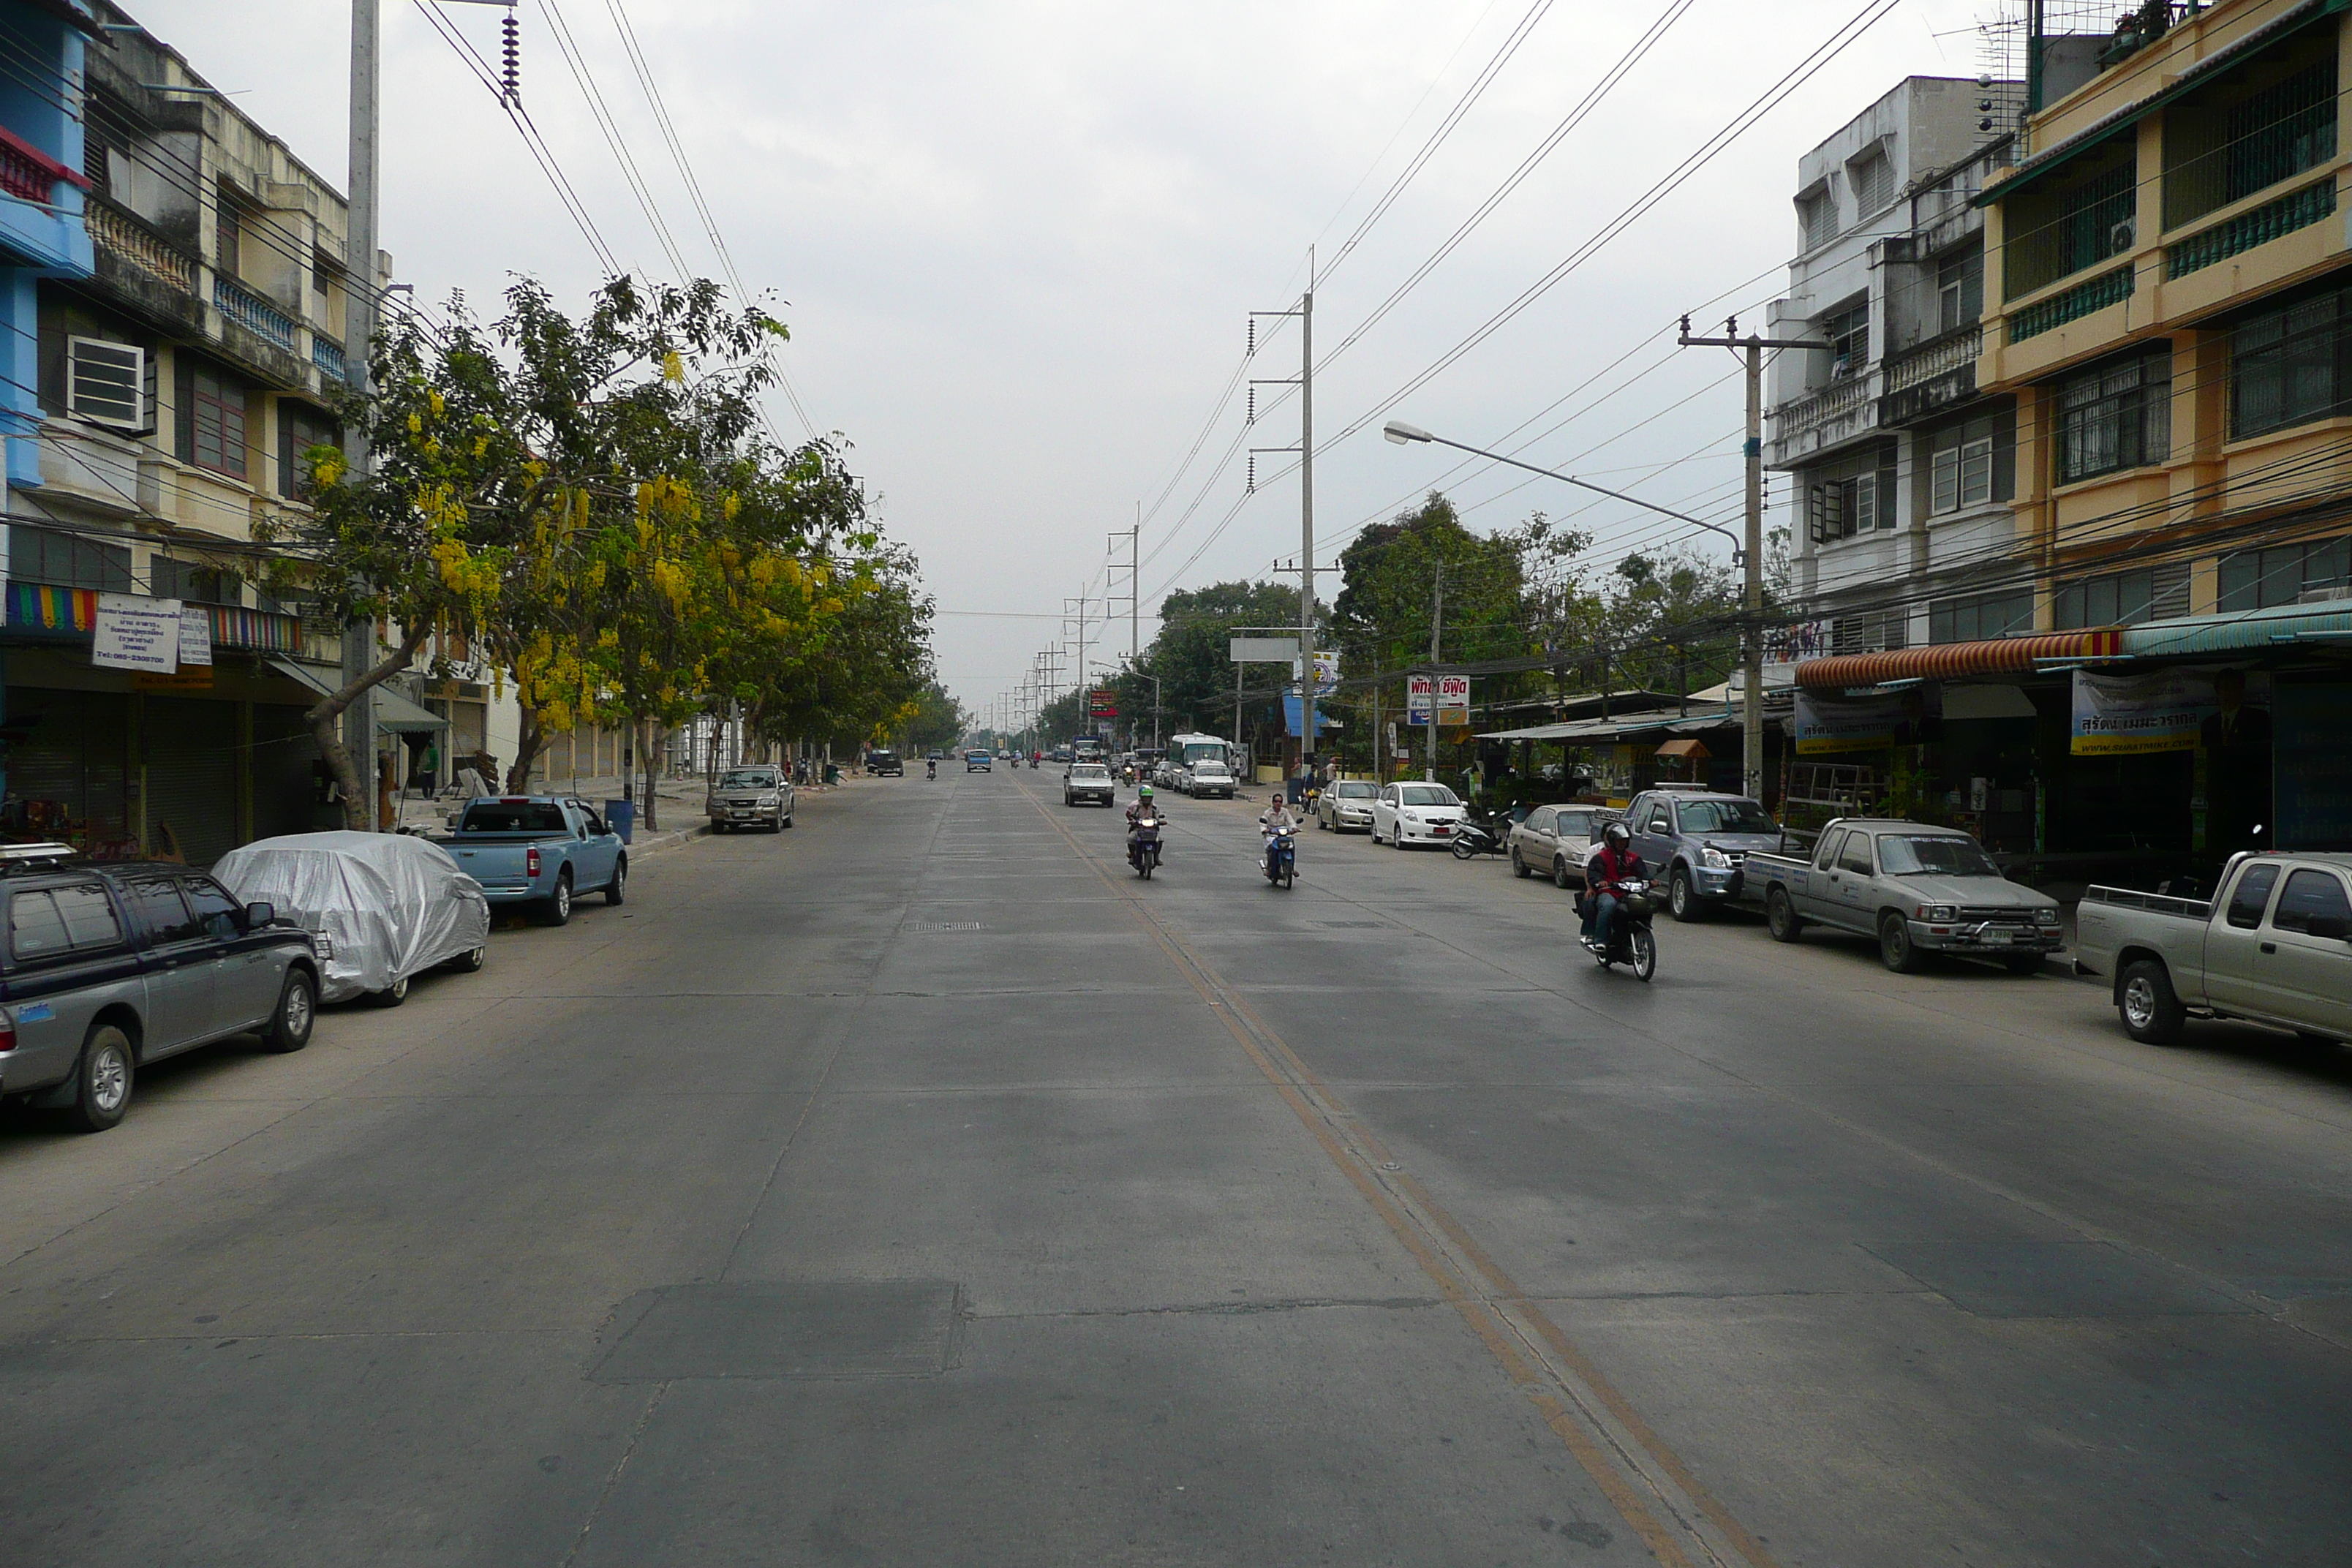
{"type": "Point", "coordinates": [1696, 842]}
{"type": "Point", "coordinates": [1089, 781]}
{"type": "Point", "coordinates": [1346, 806]}
{"type": "Point", "coordinates": [108, 968]}
{"type": "Point", "coordinates": [1553, 840]}
{"type": "Point", "coordinates": [751, 797]}
{"type": "Point", "coordinates": [1918, 889]}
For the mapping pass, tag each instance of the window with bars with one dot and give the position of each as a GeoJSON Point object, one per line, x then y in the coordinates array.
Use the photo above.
{"type": "Point", "coordinates": [67, 559]}
{"type": "Point", "coordinates": [1959, 287]}
{"type": "Point", "coordinates": [1856, 496]}
{"type": "Point", "coordinates": [2269, 122]}
{"type": "Point", "coordinates": [1980, 618]}
{"type": "Point", "coordinates": [1872, 632]}
{"type": "Point", "coordinates": [2117, 416]}
{"type": "Point", "coordinates": [1971, 463]}
{"type": "Point", "coordinates": [2292, 365]}
{"type": "Point", "coordinates": [212, 419]}
{"type": "Point", "coordinates": [2064, 224]}
{"type": "Point", "coordinates": [1848, 331]}
{"type": "Point", "coordinates": [2123, 598]}
{"type": "Point", "coordinates": [2311, 571]}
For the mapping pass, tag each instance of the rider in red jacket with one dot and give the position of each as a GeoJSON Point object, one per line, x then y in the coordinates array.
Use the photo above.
{"type": "Point", "coordinates": [1605, 875]}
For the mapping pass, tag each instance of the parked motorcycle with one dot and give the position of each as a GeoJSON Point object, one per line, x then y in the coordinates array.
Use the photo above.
{"type": "Point", "coordinates": [1143, 846]}
{"type": "Point", "coordinates": [1282, 858]}
{"type": "Point", "coordinates": [1485, 834]}
{"type": "Point", "coordinates": [1632, 944]}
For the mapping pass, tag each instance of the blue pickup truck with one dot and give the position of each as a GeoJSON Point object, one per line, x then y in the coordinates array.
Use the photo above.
{"type": "Point", "coordinates": [539, 850]}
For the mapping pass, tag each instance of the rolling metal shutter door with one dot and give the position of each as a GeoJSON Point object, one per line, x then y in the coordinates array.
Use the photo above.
{"type": "Point", "coordinates": [75, 753]}
{"type": "Point", "coordinates": [285, 786]}
{"type": "Point", "coordinates": [190, 751]}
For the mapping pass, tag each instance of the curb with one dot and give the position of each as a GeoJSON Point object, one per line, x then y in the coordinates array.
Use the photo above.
{"type": "Point", "coordinates": [661, 841]}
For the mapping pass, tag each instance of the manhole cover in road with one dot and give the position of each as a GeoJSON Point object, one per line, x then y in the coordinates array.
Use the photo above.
{"type": "Point", "coordinates": [941, 925]}
{"type": "Point", "coordinates": [2054, 1280]}
{"type": "Point", "coordinates": [1355, 925]}
{"type": "Point", "coordinates": [862, 1329]}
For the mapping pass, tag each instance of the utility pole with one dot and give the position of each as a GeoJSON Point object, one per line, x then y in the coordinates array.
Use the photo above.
{"type": "Point", "coordinates": [1436, 642]}
{"type": "Point", "coordinates": [1752, 632]}
{"type": "Point", "coordinates": [1134, 537]}
{"type": "Point", "coordinates": [361, 305]}
{"type": "Point", "coordinates": [1305, 381]}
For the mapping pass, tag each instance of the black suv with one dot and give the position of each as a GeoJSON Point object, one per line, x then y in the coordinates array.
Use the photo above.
{"type": "Point", "coordinates": [885, 764]}
{"type": "Point", "coordinates": [109, 966]}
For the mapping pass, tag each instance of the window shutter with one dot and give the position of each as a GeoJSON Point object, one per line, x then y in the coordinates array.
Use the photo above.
{"type": "Point", "coordinates": [105, 384]}
{"type": "Point", "coordinates": [183, 408]}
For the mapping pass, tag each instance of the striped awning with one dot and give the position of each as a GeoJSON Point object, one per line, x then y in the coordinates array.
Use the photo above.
{"type": "Point", "coordinates": [1943, 661]}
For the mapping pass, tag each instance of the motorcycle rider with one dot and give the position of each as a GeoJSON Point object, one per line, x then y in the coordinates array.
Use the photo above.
{"type": "Point", "coordinates": [1144, 806]}
{"type": "Point", "coordinates": [930, 767]}
{"type": "Point", "coordinates": [1276, 818]}
{"type": "Point", "coordinates": [1605, 875]}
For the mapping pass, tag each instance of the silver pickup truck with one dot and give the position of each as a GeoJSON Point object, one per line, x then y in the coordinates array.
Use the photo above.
{"type": "Point", "coordinates": [1917, 889]}
{"type": "Point", "coordinates": [2273, 946]}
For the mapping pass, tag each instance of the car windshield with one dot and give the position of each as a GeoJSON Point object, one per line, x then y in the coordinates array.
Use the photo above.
{"type": "Point", "coordinates": [1725, 817]}
{"type": "Point", "coordinates": [1430, 794]}
{"type": "Point", "coordinates": [1575, 822]}
{"type": "Point", "coordinates": [1354, 789]}
{"type": "Point", "coordinates": [1089, 770]}
{"type": "Point", "coordinates": [748, 778]}
{"type": "Point", "coordinates": [1208, 765]}
{"type": "Point", "coordinates": [512, 816]}
{"type": "Point", "coordinates": [1933, 855]}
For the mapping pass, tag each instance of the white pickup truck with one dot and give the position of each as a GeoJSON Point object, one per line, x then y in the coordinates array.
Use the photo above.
{"type": "Point", "coordinates": [2273, 946]}
{"type": "Point", "coordinates": [1917, 889]}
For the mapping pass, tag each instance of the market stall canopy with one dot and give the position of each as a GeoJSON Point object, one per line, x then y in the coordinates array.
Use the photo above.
{"type": "Point", "coordinates": [392, 712]}
{"type": "Point", "coordinates": [1943, 661]}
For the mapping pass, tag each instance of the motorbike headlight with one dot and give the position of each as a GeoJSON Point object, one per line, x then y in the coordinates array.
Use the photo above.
{"type": "Point", "coordinates": [1713, 859]}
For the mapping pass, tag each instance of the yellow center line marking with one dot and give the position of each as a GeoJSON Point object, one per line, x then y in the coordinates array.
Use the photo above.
{"type": "Point", "coordinates": [1592, 1418]}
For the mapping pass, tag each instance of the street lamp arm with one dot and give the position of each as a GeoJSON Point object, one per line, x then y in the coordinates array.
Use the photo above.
{"type": "Point", "coordinates": [1401, 432]}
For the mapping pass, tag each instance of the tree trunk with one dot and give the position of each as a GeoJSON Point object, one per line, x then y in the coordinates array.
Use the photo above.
{"type": "Point", "coordinates": [650, 764]}
{"type": "Point", "coordinates": [531, 742]}
{"type": "Point", "coordinates": [325, 719]}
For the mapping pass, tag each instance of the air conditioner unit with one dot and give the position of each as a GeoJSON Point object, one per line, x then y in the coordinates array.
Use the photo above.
{"type": "Point", "coordinates": [2327, 595]}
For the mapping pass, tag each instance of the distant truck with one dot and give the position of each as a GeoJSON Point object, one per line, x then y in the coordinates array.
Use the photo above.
{"type": "Point", "coordinates": [539, 850]}
{"type": "Point", "coordinates": [2274, 946]}
{"type": "Point", "coordinates": [1917, 889]}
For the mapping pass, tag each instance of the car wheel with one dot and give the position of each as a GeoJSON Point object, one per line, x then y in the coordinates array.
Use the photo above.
{"type": "Point", "coordinates": [1780, 916]}
{"type": "Point", "coordinates": [1895, 947]}
{"type": "Point", "coordinates": [2152, 1013]}
{"type": "Point", "coordinates": [1559, 871]}
{"type": "Point", "coordinates": [470, 961]}
{"type": "Point", "coordinates": [783, 822]}
{"type": "Point", "coordinates": [1396, 840]}
{"type": "Point", "coordinates": [1520, 867]}
{"type": "Point", "coordinates": [556, 908]}
{"type": "Point", "coordinates": [392, 995]}
{"type": "Point", "coordinates": [297, 1009]}
{"type": "Point", "coordinates": [103, 1079]}
{"type": "Point", "coordinates": [1682, 899]}
{"type": "Point", "coordinates": [618, 888]}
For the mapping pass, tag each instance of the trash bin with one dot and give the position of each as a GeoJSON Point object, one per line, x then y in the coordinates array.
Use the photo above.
{"type": "Point", "coordinates": [622, 815]}
{"type": "Point", "coordinates": [832, 772]}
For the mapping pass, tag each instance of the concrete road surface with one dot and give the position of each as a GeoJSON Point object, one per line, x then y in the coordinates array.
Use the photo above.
{"type": "Point", "coordinates": [919, 1187]}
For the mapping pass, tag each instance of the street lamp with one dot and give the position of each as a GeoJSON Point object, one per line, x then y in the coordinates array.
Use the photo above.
{"type": "Point", "coordinates": [1751, 631]}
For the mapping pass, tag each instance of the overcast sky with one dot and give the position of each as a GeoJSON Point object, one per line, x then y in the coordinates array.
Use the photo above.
{"type": "Point", "coordinates": [1017, 240]}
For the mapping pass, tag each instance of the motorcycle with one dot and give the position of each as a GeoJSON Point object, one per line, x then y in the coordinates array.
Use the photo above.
{"type": "Point", "coordinates": [930, 770]}
{"type": "Point", "coordinates": [1632, 944]}
{"type": "Point", "coordinates": [1033, 764]}
{"type": "Point", "coordinates": [1281, 864]}
{"type": "Point", "coordinates": [1143, 846]}
{"type": "Point", "coordinates": [1486, 835]}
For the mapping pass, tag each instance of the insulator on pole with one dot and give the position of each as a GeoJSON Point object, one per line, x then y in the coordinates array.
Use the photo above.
{"type": "Point", "coordinates": [1253, 334]}
{"type": "Point", "coordinates": [1250, 487]}
{"type": "Point", "coordinates": [1251, 418]}
{"type": "Point", "coordinates": [513, 35]}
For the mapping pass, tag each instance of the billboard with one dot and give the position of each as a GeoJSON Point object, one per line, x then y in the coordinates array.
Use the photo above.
{"type": "Point", "coordinates": [1102, 703]}
{"type": "Point", "coordinates": [1420, 695]}
{"type": "Point", "coordinates": [1263, 650]}
{"type": "Point", "coordinates": [1453, 701]}
{"type": "Point", "coordinates": [2123, 715]}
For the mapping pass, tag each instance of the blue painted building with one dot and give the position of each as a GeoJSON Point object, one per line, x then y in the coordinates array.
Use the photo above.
{"type": "Point", "coordinates": [42, 233]}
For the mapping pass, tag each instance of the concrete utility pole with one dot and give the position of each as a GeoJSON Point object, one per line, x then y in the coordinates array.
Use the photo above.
{"type": "Point", "coordinates": [1436, 642]}
{"type": "Point", "coordinates": [1751, 662]}
{"type": "Point", "coordinates": [1307, 519]}
{"type": "Point", "coordinates": [360, 313]}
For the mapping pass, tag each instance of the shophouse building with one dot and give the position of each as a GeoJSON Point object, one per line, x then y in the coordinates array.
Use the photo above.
{"type": "Point", "coordinates": [2167, 328]}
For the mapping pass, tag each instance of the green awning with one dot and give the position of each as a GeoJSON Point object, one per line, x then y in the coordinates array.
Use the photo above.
{"type": "Point", "coordinates": [2250, 631]}
{"type": "Point", "coordinates": [2197, 76]}
{"type": "Point", "coordinates": [392, 712]}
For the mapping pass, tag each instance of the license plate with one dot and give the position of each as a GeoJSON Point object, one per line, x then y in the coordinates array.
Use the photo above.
{"type": "Point", "coordinates": [1439, 832]}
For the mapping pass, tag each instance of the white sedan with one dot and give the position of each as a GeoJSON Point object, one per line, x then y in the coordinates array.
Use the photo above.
{"type": "Point", "coordinates": [1416, 814]}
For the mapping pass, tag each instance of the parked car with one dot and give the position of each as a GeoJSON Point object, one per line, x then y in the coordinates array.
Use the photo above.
{"type": "Point", "coordinates": [1553, 839]}
{"type": "Point", "coordinates": [542, 851]}
{"type": "Point", "coordinates": [1209, 777]}
{"type": "Point", "coordinates": [1089, 781]}
{"type": "Point", "coordinates": [1408, 813]}
{"type": "Point", "coordinates": [109, 967]}
{"type": "Point", "coordinates": [382, 907]}
{"type": "Point", "coordinates": [1346, 805]}
{"type": "Point", "coordinates": [1917, 889]}
{"type": "Point", "coordinates": [885, 766]}
{"type": "Point", "coordinates": [759, 796]}
{"type": "Point", "coordinates": [979, 763]}
{"type": "Point", "coordinates": [1696, 841]}
{"type": "Point", "coordinates": [2273, 946]}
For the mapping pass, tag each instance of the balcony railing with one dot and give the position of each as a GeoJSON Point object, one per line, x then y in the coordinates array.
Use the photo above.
{"type": "Point", "coordinates": [1833, 402]}
{"type": "Point", "coordinates": [328, 355]}
{"type": "Point", "coordinates": [253, 313]}
{"type": "Point", "coordinates": [30, 174]}
{"type": "Point", "coordinates": [1939, 358]}
{"type": "Point", "coordinates": [125, 238]}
